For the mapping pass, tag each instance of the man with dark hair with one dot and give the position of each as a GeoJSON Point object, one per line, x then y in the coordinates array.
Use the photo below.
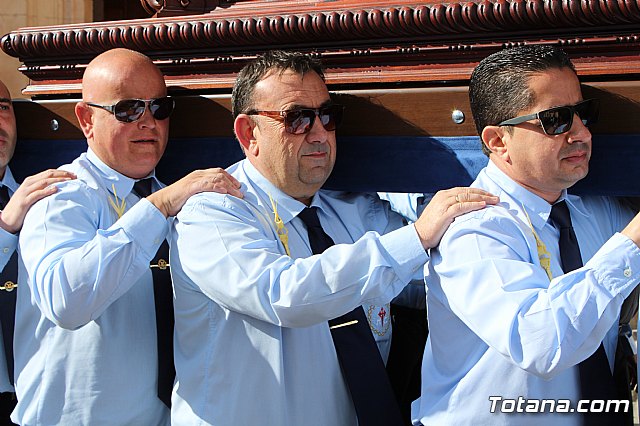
{"type": "Point", "coordinates": [268, 289]}
{"type": "Point", "coordinates": [524, 297]}
{"type": "Point", "coordinates": [94, 317]}
{"type": "Point", "coordinates": [501, 87]}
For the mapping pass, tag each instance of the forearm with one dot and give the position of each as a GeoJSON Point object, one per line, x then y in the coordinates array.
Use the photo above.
{"type": "Point", "coordinates": [542, 327]}
{"type": "Point", "coordinates": [245, 270]}
{"type": "Point", "coordinates": [76, 271]}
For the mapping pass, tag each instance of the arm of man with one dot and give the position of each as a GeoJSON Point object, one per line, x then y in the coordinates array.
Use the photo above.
{"type": "Point", "coordinates": [487, 275]}
{"type": "Point", "coordinates": [78, 261]}
{"type": "Point", "coordinates": [228, 250]}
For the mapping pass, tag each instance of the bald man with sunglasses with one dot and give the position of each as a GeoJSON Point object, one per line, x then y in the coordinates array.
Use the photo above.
{"type": "Point", "coordinates": [269, 324]}
{"type": "Point", "coordinates": [524, 297]}
{"type": "Point", "coordinates": [94, 318]}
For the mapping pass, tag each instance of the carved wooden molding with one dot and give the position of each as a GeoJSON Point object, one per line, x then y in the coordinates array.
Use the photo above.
{"type": "Point", "coordinates": [418, 42]}
{"type": "Point", "coordinates": [438, 21]}
{"type": "Point", "coordinates": [161, 8]}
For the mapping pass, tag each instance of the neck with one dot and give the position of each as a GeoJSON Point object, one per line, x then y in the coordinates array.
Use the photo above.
{"type": "Point", "coordinates": [306, 200]}
{"type": "Point", "coordinates": [550, 196]}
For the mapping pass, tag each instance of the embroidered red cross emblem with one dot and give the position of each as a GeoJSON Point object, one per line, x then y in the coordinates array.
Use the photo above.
{"type": "Point", "coordinates": [382, 314]}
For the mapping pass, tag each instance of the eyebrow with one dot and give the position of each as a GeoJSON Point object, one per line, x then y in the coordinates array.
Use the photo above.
{"type": "Point", "coordinates": [326, 103]}
{"type": "Point", "coordinates": [5, 100]}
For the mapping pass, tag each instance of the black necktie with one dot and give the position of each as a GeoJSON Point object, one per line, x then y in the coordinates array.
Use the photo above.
{"type": "Point", "coordinates": [358, 354]}
{"type": "Point", "coordinates": [596, 380]}
{"type": "Point", "coordinates": [143, 187]}
{"type": "Point", "coordinates": [163, 297]}
{"type": "Point", "coordinates": [8, 279]}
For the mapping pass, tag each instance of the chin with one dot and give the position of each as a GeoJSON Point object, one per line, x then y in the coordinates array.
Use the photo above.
{"type": "Point", "coordinates": [316, 176]}
{"type": "Point", "coordinates": [570, 181]}
{"type": "Point", "coordinates": [581, 174]}
{"type": "Point", "coordinates": [137, 172]}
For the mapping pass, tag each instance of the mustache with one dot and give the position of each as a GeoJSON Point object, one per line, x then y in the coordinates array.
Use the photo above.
{"type": "Point", "coordinates": [575, 148]}
{"type": "Point", "coordinates": [316, 148]}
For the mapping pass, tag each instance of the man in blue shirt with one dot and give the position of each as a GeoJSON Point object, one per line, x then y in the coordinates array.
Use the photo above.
{"type": "Point", "coordinates": [86, 341]}
{"type": "Point", "coordinates": [513, 325]}
{"type": "Point", "coordinates": [252, 301]}
{"type": "Point", "coordinates": [15, 201]}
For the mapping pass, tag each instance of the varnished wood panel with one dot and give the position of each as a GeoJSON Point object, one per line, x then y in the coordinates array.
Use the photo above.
{"type": "Point", "coordinates": [400, 112]}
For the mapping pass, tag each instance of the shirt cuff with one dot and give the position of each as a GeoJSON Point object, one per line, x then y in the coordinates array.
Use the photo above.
{"type": "Point", "coordinates": [405, 249]}
{"type": "Point", "coordinates": [617, 265]}
{"type": "Point", "coordinates": [8, 244]}
{"type": "Point", "coordinates": [146, 225]}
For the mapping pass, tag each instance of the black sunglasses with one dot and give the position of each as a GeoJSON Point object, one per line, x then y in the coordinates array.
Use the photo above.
{"type": "Point", "coordinates": [300, 120]}
{"type": "Point", "coordinates": [558, 120]}
{"type": "Point", "coordinates": [130, 110]}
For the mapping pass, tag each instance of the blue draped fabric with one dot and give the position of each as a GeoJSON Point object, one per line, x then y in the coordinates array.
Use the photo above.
{"type": "Point", "coordinates": [395, 164]}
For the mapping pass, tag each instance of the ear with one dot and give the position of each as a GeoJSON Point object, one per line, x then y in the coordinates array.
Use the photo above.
{"type": "Point", "coordinates": [84, 114]}
{"type": "Point", "coordinates": [496, 138]}
{"type": "Point", "coordinates": [243, 126]}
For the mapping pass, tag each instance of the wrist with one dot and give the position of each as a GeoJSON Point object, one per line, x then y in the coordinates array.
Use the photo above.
{"type": "Point", "coordinates": [6, 226]}
{"type": "Point", "coordinates": [424, 238]}
{"type": "Point", "coordinates": [159, 203]}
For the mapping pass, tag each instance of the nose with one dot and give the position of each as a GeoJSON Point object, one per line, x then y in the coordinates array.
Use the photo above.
{"type": "Point", "coordinates": [579, 132]}
{"type": "Point", "coordinates": [317, 134]}
{"type": "Point", "coordinates": [146, 120]}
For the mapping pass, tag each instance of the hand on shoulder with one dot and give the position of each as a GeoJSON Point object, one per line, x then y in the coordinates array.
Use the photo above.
{"type": "Point", "coordinates": [170, 200]}
{"type": "Point", "coordinates": [445, 206]}
{"type": "Point", "coordinates": [33, 188]}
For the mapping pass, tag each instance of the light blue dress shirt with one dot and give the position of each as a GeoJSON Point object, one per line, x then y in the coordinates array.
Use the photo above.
{"type": "Point", "coordinates": [8, 244]}
{"type": "Point", "coordinates": [409, 204]}
{"type": "Point", "coordinates": [498, 327]}
{"type": "Point", "coordinates": [85, 337]}
{"type": "Point", "coordinates": [252, 343]}
{"type": "Point", "coordinates": [8, 241]}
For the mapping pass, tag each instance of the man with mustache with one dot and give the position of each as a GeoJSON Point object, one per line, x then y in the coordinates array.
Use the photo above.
{"type": "Point", "coordinates": [258, 282]}
{"type": "Point", "coordinates": [524, 297]}
{"type": "Point", "coordinates": [15, 201]}
{"type": "Point", "coordinates": [93, 317]}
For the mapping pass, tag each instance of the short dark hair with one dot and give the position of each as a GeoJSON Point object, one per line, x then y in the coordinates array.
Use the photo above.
{"type": "Point", "coordinates": [273, 60]}
{"type": "Point", "coordinates": [499, 87]}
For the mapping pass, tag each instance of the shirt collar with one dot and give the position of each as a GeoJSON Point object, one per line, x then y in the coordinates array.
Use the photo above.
{"type": "Point", "coordinates": [9, 181]}
{"type": "Point", "coordinates": [288, 207]}
{"type": "Point", "coordinates": [113, 180]}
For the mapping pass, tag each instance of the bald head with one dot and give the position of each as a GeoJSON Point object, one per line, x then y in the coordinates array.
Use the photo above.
{"type": "Point", "coordinates": [8, 132]}
{"type": "Point", "coordinates": [130, 148]}
{"type": "Point", "coordinates": [113, 72]}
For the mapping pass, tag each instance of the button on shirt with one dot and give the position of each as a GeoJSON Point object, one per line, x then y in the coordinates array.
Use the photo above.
{"type": "Point", "coordinates": [499, 328]}
{"type": "Point", "coordinates": [252, 340]}
{"type": "Point", "coordinates": [8, 244]}
{"type": "Point", "coordinates": [85, 339]}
